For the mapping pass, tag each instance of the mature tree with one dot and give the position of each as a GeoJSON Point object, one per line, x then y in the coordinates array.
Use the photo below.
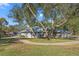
{"type": "Point", "coordinates": [56, 15]}
{"type": "Point", "coordinates": [72, 16]}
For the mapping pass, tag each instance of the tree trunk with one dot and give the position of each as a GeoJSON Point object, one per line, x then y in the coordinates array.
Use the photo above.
{"type": "Point", "coordinates": [73, 31]}
{"type": "Point", "coordinates": [53, 28]}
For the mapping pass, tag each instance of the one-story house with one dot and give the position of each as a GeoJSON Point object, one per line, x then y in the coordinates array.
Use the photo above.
{"type": "Point", "coordinates": [40, 33]}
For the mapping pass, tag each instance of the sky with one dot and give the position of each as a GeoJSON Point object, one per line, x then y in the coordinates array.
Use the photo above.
{"type": "Point", "coordinates": [4, 11]}
{"type": "Point", "coordinates": [40, 14]}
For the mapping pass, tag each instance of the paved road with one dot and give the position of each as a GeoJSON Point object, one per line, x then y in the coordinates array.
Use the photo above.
{"type": "Point", "coordinates": [62, 43]}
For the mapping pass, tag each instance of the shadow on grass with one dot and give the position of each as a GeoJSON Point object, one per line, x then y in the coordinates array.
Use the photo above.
{"type": "Point", "coordinates": [5, 42]}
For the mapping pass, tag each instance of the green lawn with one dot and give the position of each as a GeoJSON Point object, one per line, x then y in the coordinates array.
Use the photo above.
{"type": "Point", "coordinates": [20, 49]}
{"type": "Point", "coordinates": [50, 41]}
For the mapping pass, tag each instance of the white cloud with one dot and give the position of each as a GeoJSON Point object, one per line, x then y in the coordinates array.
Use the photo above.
{"type": "Point", "coordinates": [3, 5]}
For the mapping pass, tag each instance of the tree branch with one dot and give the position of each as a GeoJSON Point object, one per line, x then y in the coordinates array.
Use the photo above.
{"type": "Point", "coordinates": [64, 21]}
{"type": "Point", "coordinates": [36, 17]}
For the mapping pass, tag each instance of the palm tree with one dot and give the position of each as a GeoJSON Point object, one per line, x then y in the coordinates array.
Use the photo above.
{"type": "Point", "coordinates": [2, 23]}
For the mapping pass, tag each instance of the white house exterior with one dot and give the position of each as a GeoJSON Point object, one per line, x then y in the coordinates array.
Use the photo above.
{"type": "Point", "coordinates": [29, 34]}
{"type": "Point", "coordinates": [26, 34]}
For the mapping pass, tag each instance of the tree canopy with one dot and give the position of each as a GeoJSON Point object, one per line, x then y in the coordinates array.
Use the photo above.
{"type": "Point", "coordinates": [54, 15]}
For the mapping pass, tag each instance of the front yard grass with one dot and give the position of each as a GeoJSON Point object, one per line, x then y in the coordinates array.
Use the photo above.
{"type": "Point", "coordinates": [20, 49]}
